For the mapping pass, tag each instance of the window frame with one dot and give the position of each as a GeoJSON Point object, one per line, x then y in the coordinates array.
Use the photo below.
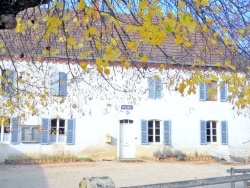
{"type": "Point", "coordinates": [154, 134]}
{"type": "Point", "coordinates": [212, 87]}
{"type": "Point", "coordinates": [57, 130]}
{"type": "Point", "coordinates": [30, 140]}
{"type": "Point", "coordinates": [212, 135]}
{"type": "Point", "coordinates": [3, 128]}
{"type": "Point", "coordinates": [8, 81]}
{"type": "Point", "coordinates": [58, 87]}
{"type": "Point", "coordinates": [154, 88]}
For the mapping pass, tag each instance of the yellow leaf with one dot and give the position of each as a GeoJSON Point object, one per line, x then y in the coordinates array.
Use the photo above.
{"type": "Point", "coordinates": [204, 28]}
{"type": "Point", "coordinates": [99, 69]}
{"type": "Point", "coordinates": [156, 77]}
{"type": "Point", "coordinates": [213, 41]}
{"type": "Point", "coordinates": [107, 71]}
{"type": "Point", "coordinates": [92, 30]}
{"type": "Point", "coordinates": [218, 64]}
{"type": "Point", "coordinates": [178, 41]}
{"type": "Point", "coordinates": [39, 58]}
{"type": "Point", "coordinates": [181, 4]}
{"type": "Point", "coordinates": [58, 4]}
{"type": "Point", "coordinates": [43, 96]}
{"type": "Point", "coordinates": [162, 66]}
{"type": "Point", "coordinates": [204, 2]}
{"type": "Point", "coordinates": [113, 41]}
{"type": "Point", "coordinates": [143, 4]}
{"type": "Point", "coordinates": [83, 65]}
{"type": "Point", "coordinates": [242, 31]}
{"type": "Point", "coordinates": [74, 106]}
{"type": "Point", "coordinates": [98, 45]}
{"type": "Point", "coordinates": [126, 65]}
{"type": "Point", "coordinates": [144, 59]}
{"type": "Point", "coordinates": [214, 78]}
{"type": "Point", "coordinates": [71, 40]}
{"type": "Point", "coordinates": [85, 19]}
{"type": "Point", "coordinates": [81, 5]}
{"type": "Point", "coordinates": [188, 44]}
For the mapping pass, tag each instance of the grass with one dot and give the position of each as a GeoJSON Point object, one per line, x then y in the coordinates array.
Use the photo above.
{"type": "Point", "coordinates": [52, 157]}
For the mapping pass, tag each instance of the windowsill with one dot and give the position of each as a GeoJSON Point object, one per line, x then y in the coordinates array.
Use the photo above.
{"type": "Point", "coordinates": [57, 143]}
{"type": "Point", "coordinates": [213, 143]}
{"type": "Point", "coordinates": [30, 142]}
{"type": "Point", "coordinates": [155, 143]}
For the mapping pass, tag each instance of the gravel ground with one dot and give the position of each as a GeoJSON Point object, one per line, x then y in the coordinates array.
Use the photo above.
{"type": "Point", "coordinates": [123, 174]}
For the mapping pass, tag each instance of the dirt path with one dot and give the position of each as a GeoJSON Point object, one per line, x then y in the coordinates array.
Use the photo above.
{"type": "Point", "coordinates": [123, 174]}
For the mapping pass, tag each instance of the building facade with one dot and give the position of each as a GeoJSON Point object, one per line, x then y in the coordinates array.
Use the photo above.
{"type": "Point", "coordinates": [87, 117]}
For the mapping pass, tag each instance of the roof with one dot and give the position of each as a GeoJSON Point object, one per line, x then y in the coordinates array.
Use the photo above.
{"type": "Point", "coordinates": [32, 42]}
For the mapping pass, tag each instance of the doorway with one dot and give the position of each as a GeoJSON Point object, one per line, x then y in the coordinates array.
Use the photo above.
{"type": "Point", "coordinates": [127, 139]}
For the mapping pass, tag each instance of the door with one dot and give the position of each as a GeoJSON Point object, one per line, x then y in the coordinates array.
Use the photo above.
{"type": "Point", "coordinates": [127, 139]}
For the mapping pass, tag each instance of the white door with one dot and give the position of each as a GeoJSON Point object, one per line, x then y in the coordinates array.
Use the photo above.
{"type": "Point", "coordinates": [127, 139]}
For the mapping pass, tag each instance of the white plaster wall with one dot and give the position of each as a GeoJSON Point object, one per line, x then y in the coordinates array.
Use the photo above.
{"type": "Point", "coordinates": [99, 119]}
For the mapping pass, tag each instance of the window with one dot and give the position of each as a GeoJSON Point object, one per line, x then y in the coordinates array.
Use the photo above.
{"type": "Point", "coordinates": [57, 131]}
{"type": "Point", "coordinates": [154, 88]}
{"type": "Point", "coordinates": [7, 81]}
{"type": "Point", "coordinates": [126, 121]}
{"type": "Point", "coordinates": [209, 132]}
{"type": "Point", "coordinates": [208, 91]}
{"type": "Point", "coordinates": [59, 84]}
{"type": "Point", "coordinates": [211, 127]}
{"type": "Point", "coordinates": [4, 129]}
{"type": "Point", "coordinates": [30, 134]}
{"type": "Point", "coordinates": [153, 132]}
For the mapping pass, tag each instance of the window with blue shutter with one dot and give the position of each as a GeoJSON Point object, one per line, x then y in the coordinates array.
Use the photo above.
{"type": "Point", "coordinates": [45, 130]}
{"type": "Point", "coordinates": [167, 132]}
{"type": "Point", "coordinates": [55, 84]}
{"type": "Point", "coordinates": [158, 88]}
{"type": "Point", "coordinates": [144, 132]}
{"type": "Point", "coordinates": [203, 134]}
{"type": "Point", "coordinates": [151, 88]}
{"type": "Point", "coordinates": [223, 92]}
{"type": "Point", "coordinates": [224, 133]}
{"type": "Point", "coordinates": [203, 91]}
{"type": "Point", "coordinates": [8, 80]}
{"type": "Point", "coordinates": [71, 132]}
{"type": "Point", "coordinates": [59, 84]}
{"type": "Point", "coordinates": [15, 131]}
{"type": "Point", "coordinates": [154, 88]}
{"type": "Point", "coordinates": [63, 84]}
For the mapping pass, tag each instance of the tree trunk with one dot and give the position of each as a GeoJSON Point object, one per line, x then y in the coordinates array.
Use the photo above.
{"type": "Point", "coordinates": [10, 8]}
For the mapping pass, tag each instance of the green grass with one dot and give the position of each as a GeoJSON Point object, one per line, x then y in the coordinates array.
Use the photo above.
{"type": "Point", "coordinates": [52, 157]}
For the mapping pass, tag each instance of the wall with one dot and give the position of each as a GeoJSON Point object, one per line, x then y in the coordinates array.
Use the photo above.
{"type": "Point", "coordinates": [98, 113]}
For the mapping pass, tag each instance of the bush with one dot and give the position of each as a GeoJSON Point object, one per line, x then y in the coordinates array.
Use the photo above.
{"type": "Point", "coordinates": [158, 154]}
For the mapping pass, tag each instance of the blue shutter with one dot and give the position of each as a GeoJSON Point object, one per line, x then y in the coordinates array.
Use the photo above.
{"type": "Point", "coordinates": [10, 86]}
{"type": "Point", "coordinates": [203, 91]}
{"type": "Point", "coordinates": [167, 132]}
{"type": "Point", "coordinates": [71, 131]}
{"type": "Point", "coordinates": [158, 88]}
{"type": "Point", "coordinates": [144, 132]}
{"type": "Point", "coordinates": [63, 83]}
{"type": "Point", "coordinates": [151, 88]}
{"type": "Point", "coordinates": [15, 131]}
{"type": "Point", "coordinates": [224, 133]}
{"type": "Point", "coordinates": [203, 133]}
{"type": "Point", "coordinates": [44, 135]}
{"type": "Point", "coordinates": [55, 84]}
{"type": "Point", "coordinates": [223, 92]}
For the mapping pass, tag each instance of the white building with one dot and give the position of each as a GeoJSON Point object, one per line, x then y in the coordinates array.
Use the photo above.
{"type": "Point", "coordinates": [102, 123]}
